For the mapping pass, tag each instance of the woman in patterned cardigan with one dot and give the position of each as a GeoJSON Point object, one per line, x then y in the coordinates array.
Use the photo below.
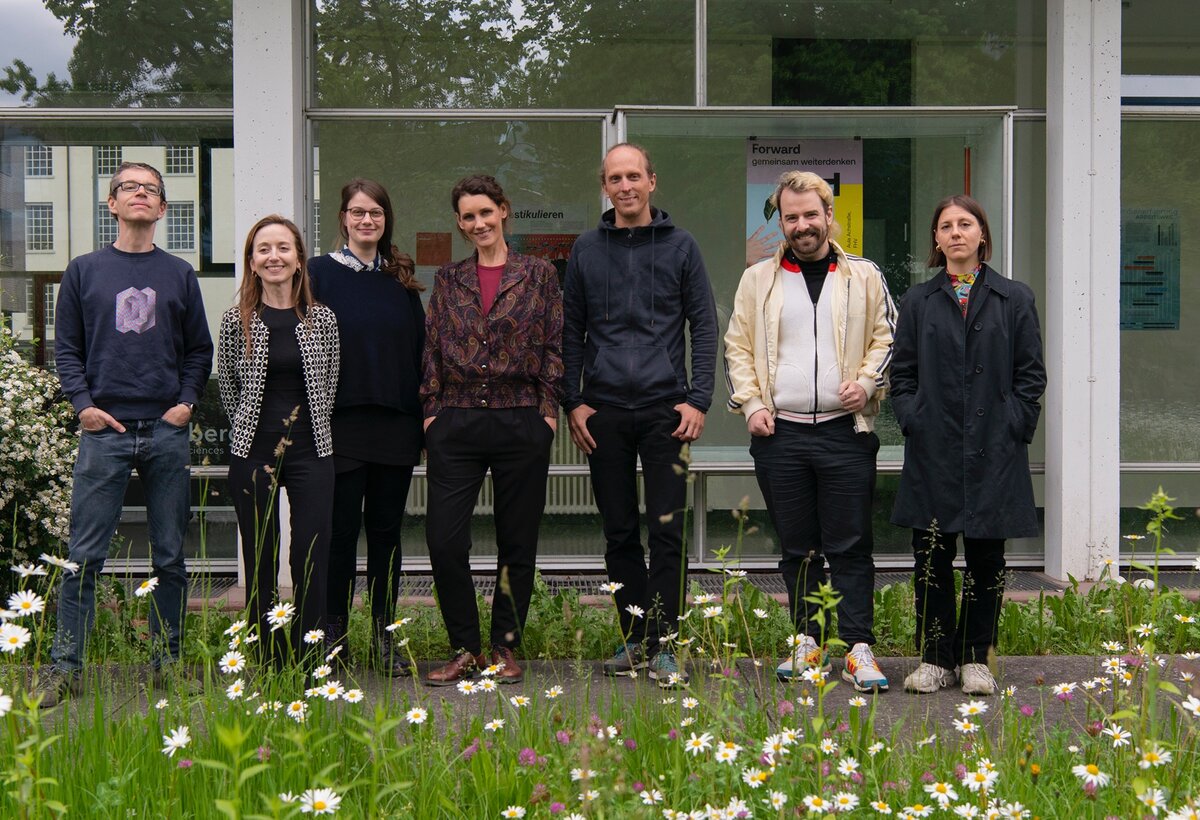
{"type": "Point", "coordinates": [277, 364]}
{"type": "Point", "coordinates": [492, 366]}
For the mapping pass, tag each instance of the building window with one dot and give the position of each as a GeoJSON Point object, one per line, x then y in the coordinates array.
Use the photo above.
{"type": "Point", "coordinates": [108, 160]}
{"type": "Point", "coordinates": [106, 226]}
{"type": "Point", "coordinates": [180, 159]}
{"type": "Point", "coordinates": [39, 161]}
{"type": "Point", "coordinates": [181, 226]}
{"type": "Point", "coordinates": [316, 232]}
{"type": "Point", "coordinates": [39, 227]}
{"type": "Point", "coordinates": [47, 303]}
{"type": "Point", "coordinates": [30, 295]}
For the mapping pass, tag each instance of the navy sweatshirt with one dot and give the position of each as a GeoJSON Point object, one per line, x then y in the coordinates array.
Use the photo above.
{"type": "Point", "coordinates": [130, 334]}
{"type": "Point", "coordinates": [382, 329]}
{"type": "Point", "coordinates": [627, 296]}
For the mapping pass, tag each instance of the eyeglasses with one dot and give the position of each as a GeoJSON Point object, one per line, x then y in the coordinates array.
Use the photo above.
{"type": "Point", "coordinates": [358, 214]}
{"type": "Point", "coordinates": [129, 187]}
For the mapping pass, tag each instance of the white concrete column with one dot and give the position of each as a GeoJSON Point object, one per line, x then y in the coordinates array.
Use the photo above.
{"type": "Point", "coordinates": [1081, 316]}
{"type": "Point", "coordinates": [268, 136]}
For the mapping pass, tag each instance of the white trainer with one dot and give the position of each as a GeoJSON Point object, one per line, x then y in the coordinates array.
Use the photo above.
{"type": "Point", "coordinates": [928, 678]}
{"type": "Point", "coordinates": [977, 679]}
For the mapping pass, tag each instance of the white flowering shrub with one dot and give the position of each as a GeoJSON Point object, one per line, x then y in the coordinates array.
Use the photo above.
{"type": "Point", "coordinates": [37, 453]}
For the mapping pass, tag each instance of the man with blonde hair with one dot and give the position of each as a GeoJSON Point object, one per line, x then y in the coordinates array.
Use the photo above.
{"type": "Point", "coordinates": [806, 356]}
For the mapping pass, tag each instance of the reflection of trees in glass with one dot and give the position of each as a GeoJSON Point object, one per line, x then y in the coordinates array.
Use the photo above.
{"type": "Point", "coordinates": [538, 163]}
{"type": "Point", "coordinates": [495, 53]}
{"type": "Point", "coordinates": [137, 53]}
{"type": "Point", "coordinates": [963, 53]}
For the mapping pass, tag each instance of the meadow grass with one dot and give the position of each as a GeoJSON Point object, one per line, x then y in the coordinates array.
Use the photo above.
{"type": "Point", "coordinates": [260, 741]}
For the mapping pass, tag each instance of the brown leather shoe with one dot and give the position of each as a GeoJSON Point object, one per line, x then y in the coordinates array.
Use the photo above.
{"type": "Point", "coordinates": [460, 668]}
{"type": "Point", "coordinates": [510, 671]}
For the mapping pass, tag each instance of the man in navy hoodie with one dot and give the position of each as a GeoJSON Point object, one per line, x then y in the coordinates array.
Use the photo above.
{"type": "Point", "coordinates": [133, 353]}
{"type": "Point", "coordinates": [631, 286]}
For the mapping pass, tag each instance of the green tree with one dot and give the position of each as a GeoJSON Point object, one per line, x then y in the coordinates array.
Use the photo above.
{"type": "Point", "coordinates": [137, 53]}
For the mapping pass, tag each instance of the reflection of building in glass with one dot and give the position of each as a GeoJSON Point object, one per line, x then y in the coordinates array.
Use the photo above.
{"type": "Point", "coordinates": [39, 161]}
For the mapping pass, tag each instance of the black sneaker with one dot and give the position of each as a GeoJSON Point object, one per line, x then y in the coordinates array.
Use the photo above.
{"type": "Point", "coordinates": [53, 684]}
{"type": "Point", "coordinates": [626, 660]}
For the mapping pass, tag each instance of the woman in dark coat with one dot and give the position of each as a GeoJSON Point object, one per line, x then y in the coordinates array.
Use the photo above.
{"type": "Point", "coordinates": [966, 380]}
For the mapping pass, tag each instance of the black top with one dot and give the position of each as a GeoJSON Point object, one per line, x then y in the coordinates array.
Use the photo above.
{"type": "Point", "coordinates": [377, 414]}
{"type": "Point", "coordinates": [283, 390]}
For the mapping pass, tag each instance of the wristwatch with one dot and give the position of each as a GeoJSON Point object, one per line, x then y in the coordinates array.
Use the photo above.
{"type": "Point", "coordinates": [191, 407]}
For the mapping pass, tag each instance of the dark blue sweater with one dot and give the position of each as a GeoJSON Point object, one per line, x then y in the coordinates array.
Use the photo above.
{"type": "Point", "coordinates": [382, 328]}
{"type": "Point", "coordinates": [130, 334]}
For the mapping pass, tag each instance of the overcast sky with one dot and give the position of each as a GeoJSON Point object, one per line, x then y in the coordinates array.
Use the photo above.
{"type": "Point", "coordinates": [32, 34]}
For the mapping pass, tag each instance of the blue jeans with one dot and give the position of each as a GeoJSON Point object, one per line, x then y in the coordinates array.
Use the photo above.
{"type": "Point", "coordinates": [160, 452]}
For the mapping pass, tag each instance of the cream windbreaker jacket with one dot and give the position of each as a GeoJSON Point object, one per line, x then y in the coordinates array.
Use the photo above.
{"type": "Point", "coordinates": [864, 319]}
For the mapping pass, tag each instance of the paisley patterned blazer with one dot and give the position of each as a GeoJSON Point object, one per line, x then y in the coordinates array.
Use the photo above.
{"type": "Point", "coordinates": [511, 357]}
{"type": "Point", "coordinates": [241, 379]}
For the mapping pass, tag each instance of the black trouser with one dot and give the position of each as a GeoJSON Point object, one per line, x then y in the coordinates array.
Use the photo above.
{"type": "Point", "coordinates": [621, 436]}
{"type": "Point", "coordinates": [939, 640]}
{"type": "Point", "coordinates": [309, 482]}
{"type": "Point", "coordinates": [463, 443]}
{"type": "Point", "coordinates": [818, 481]}
{"type": "Point", "coordinates": [372, 495]}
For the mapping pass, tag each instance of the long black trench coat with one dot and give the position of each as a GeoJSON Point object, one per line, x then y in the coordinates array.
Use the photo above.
{"type": "Point", "coordinates": [966, 395]}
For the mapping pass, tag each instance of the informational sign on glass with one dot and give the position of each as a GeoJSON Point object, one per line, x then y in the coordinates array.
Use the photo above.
{"type": "Point", "coordinates": [838, 162]}
{"type": "Point", "coordinates": [1149, 269]}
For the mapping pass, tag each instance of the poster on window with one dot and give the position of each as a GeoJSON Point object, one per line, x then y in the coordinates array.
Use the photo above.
{"type": "Point", "coordinates": [1149, 269]}
{"type": "Point", "coordinates": [838, 162]}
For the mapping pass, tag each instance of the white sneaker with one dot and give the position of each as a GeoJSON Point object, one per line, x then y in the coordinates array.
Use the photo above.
{"type": "Point", "coordinates": [929, 678]}
{"type": "Point", "coordinates": [977, 679]}
{"type": "Point", "coordinates": [805, 654]}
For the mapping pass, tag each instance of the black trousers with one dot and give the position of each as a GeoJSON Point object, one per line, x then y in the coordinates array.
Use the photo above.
{"type": "Point", "coordinates": [942, 639]}
{"type": "Point", "coordinates": [462, 445]}
{"type": "Point", "coordinates": [818, 481]}
{"type": "Point", "coordinates": [622, 436]}
{"type": "Point", "coordinates": [371, 495]}
{"type": "Point", "coordinates": [309, 482]}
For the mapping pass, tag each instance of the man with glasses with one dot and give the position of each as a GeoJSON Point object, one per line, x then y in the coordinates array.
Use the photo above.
{"type": "Point", "coordinates": [134, 354]}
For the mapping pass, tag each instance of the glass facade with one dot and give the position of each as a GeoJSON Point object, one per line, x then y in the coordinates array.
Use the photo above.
{"type": "Point", "coordinates": [417, 95]}
{"type": "Point", "coordinates": [469, 54]}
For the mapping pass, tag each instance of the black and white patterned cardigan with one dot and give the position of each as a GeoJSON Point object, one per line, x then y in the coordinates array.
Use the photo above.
{"type": "Point", "coordinates": [241, 379]}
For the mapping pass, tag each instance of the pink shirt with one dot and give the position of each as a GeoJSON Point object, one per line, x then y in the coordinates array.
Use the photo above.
{"type": "Point", "coordinates": [489, 283]}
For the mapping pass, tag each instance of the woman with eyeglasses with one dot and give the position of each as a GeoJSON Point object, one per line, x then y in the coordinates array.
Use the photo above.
{"type": "Point", "coordinates": [493, 366]}
{"type": "Point", "coordinates": [277, 364]}
{"type": "Point", "coordinates": [377, 436]}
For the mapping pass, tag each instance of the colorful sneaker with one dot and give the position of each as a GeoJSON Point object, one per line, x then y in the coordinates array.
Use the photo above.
{"type": "Point", "coordinates": [665, 669]}
{"type": "Point", "coordinates": [628, 658]}
{"type": "Point", "coordinates": [928, 678]}
{"type": "Point", "coordinates": [977, 679]}
{"type": "Point", "coordinates": [805, 654]}
{"type": "Point", "coordinates": [862, 672]}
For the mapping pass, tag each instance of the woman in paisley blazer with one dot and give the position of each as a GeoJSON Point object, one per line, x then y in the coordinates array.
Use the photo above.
{"type": "Point", "coordinates": [492, 366]}
{"type": "Point", "coordinates": [277, 364]}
